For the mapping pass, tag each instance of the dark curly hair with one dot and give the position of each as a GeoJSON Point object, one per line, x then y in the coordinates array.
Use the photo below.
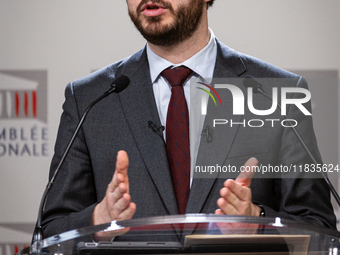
{"type": "Point", "coordinates": [210, 3]}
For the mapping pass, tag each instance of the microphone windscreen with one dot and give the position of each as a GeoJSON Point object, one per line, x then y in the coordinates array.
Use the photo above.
{"type": "Point", "coordinates": [120, 83]}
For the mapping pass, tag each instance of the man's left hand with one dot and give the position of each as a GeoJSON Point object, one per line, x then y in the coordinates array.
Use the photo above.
{"type": "Point", "coordinates": [236, 196]}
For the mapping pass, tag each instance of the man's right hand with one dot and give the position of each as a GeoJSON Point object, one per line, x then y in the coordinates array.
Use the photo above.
{"type": "Point", "coordinates": [116, 204]}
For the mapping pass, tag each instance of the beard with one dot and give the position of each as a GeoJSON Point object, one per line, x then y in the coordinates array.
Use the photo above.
{"type": "Point", "coordinates": [185, 23]}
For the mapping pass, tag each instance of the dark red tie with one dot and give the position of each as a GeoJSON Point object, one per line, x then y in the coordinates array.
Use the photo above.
{"type": "Point", "coordinates": [177, 135]}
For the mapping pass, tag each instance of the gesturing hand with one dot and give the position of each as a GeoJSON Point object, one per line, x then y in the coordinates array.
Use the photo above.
{"type": "Point", "coordinates": [236, 194]}
{"type": "Point", "coordinates": [116, 204]}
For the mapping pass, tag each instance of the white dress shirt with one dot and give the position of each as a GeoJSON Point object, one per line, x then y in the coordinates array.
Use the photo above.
{"type": "Point", "coordinates": [203, 65]}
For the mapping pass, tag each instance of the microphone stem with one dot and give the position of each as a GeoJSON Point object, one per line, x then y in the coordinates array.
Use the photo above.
{"type": "Point", "coordinates": [38, 233]}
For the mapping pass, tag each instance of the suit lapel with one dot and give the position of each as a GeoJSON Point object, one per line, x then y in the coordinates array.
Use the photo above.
{"type": "Point", "coordinates": [139, 107]}
{"type": "Point", "coordinates": [228, 65]}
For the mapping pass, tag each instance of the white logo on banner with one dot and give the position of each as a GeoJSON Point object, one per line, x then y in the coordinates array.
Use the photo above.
{"type": "Point", "coordinates": [23, 113]}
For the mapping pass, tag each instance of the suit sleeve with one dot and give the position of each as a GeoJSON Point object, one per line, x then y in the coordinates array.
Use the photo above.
{"type": "Point", "coordinates": [72, 197]}
{"type": "Point", "coordinates": [304, 197]}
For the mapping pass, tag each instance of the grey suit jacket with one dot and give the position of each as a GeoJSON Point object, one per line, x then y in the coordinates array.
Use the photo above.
{"type": "Point", "coordinates": [120, 122]}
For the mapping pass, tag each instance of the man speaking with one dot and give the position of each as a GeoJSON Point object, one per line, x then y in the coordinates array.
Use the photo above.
{"type": "Point", "coordinates": [123, 164]}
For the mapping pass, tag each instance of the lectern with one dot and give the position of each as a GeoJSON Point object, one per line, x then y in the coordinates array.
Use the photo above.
{"type": "Point", "coordinates": [192, 234]}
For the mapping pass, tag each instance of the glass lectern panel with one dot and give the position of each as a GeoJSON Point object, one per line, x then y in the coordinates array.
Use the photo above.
{"type": "Point", "coordinates": [192, 234]}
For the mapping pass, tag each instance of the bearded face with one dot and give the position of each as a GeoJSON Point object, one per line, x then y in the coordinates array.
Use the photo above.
{"type": "Point", "coordinates": [163, 24]}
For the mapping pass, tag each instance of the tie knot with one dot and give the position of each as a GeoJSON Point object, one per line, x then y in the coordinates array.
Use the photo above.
{"type": "Point", "coordinates": [176, 76]}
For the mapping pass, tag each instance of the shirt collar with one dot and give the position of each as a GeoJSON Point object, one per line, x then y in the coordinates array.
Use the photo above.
{"type": "Point", "coordinates": [207, 56]}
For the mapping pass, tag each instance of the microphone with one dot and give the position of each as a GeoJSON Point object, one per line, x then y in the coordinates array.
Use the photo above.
{"type": "Point", "coordinates": [251, 82]}
{"type": "Point", "coordinates": [206, 132]}
{"type": "Point", "coordinates": [158, 130]}
{"type": "Point", "coordinates": [117, 86]}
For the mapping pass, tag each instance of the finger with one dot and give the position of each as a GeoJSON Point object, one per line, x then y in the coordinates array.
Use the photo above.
{"type": "Point", "coordinates": [236, 192]}
{"type": "Point", "coordinates": [226, 207]}
{"type": "Point", "coordinates": [128, 213]}
{"type": "Point", "coordinates": [219, 212]}
{"type": "Point", "coordinates": [122, 204]}
{"type": "Point", "coordinates": [244, 177]}
{"type": "Point", "coordinates": [229, 196]}
{"type": "Point", "coordinates": [122, 163]}
{"type": "Point", "coordinates": [120, 175]}
{"type": "Point", "coordinates": [116, 180]}
{"type": "Point", "coordinates": [116, 194]}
